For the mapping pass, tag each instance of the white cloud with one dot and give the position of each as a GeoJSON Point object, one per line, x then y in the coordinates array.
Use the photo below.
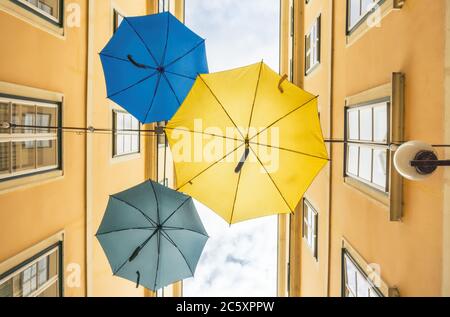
{"type": "Point", "coordinates": [238, 32]}
{"type": "Point", "coordinates": [240, 260]}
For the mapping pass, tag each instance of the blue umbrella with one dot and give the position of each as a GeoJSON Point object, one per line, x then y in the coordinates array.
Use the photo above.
{"type": "Point", "coordinates": [150, 65]}
{"type": "Point", "coordinates": [152, 235]}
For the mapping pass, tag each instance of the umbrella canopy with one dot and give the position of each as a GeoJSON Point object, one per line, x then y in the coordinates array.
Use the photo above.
{"type": "Point", "coordinates": [255, 143]}
{"type": "Point", "coordinates": [152, 235]}
{"type": "Point", "coordinates": [150, 64]}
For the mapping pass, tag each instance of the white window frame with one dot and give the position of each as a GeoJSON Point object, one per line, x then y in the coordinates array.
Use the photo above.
{"type": "Point", "coordinates": [31, 137]}
{"type": "Point", "coordinates": [117, 132]}
{"type": "Point", "coordinates": [310, 225]}
{"type": "Point", "coordinates": [56, 20]}
{"type": "Point", "coordinates": [33, 262]}
{"type": "Point", "coordinates": [372, 145]}
{"type": "Point", "coordinates": [312, 51]}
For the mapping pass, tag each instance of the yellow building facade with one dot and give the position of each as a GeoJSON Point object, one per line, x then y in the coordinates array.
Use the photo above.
{"type": "Point", "coordinates": [54, 187]}
{"type": "Point", "coordinates": [381, 71]}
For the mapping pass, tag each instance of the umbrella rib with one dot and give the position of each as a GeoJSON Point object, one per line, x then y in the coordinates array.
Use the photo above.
{"type": "Point", "coordinates": [254, 99]}
{"type": "Point", "coordinates": [153, 98]}
{"type": "Point", "coordinates": [157, 202]}
{"type": "Point", "coordinates": [268, 174]}
{"type": "Point", "coordinates": [292, 151]}
{"type": "Point", "coordinates": [167, 40]}
{"type": "Point", "coordinates": [173, 213]}
{"type": "Point", "coordinates": [204, 133]}
{"type": "Point", "coordinates": [171, 88]}
{"type": "Point", "coordinates": [184, 55]}
{"type": "Point", "coordinates": [223, 108]}
{"type": "Point", "coordinates": [206, 169]}
{"type": "Point", "coordinates": [122, 230]}
{"type": "Point", "coordinates": [184, 229]}
{"type": "Point", "coordinates": [142, 40]}
{"type": "Point", "coordinates": [286, 115]}
{"type": "Point", "coordinates": [235, 196]}
{"type": "Point", "coordinates": [134, 207]}
{"type": "Point", "coordinates": [180, 75]}
{"type": "Point", "coordinates": [167, 237]}
{"type": "Point", "coordinates": [135, 84]}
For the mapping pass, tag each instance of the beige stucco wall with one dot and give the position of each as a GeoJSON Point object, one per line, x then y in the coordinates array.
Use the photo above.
{"type": "Point", "coordinates": [30, 214]}
{"type": "Point", "coordinates": [410, 253]}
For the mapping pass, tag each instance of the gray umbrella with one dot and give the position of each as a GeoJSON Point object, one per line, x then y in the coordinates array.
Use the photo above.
{"type": "Point", "coordinates": [152, 235]}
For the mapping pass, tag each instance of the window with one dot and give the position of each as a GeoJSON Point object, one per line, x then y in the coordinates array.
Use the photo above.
{"type": "Point", "coordinates": [310, 226]}
{"type": "Point", "coordinates": [126, 137]}
{"type": "Point", "coordinates": [355, 282]}
{"type": "Point", "coordinates": [51, 10]}
{"type": "Point", "coordinates": [118, 19]}
{"type": "Point", "coordinates": [163, 6]}
{"type": "Point", "coordinates": [367, 146]}
{"type": "Point", "coordinates": [40, 276]}
{"type": "Point", "coordinates": [357, 12]}
{"type": "Point", "coordinates": [29, 150]}
{"type": "Point", "coordinates": [312, 46]}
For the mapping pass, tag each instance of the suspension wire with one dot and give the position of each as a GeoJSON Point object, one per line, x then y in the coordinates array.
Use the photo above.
{"type": "Point", "coordinates": [162, 130]}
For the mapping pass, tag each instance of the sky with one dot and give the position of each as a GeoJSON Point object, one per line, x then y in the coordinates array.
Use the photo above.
{"type": "Point", "coordinates": [240, 260]}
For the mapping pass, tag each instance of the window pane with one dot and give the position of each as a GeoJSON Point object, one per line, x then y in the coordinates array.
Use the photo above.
{"type": "Point", "coordinates": [363, 286]}
{"type": "Point", "coordinates": [379, 167]}
{"type": "Point", "coordinates": [23, 115]}
{"type": "Point", "coordinates": [119, 144]}
{"type": "Point", "coordinates": [4, 116]}
{"type": "Point", "coordinates": [366, 124]}
{"type": "Point", "coordinates": [47, 117]}
{"type": "Point", "coordinates": [51, 291]}
{"type": "Point", "coordinates": [43, 271]}
{"type": "Point", "coordinates": [353, 124]}
{"type": "Point", "coordinates": [354, 12]}
{"type": "Point", "coordinates": [23, 156]}
{"type": "Point", "coordinates": [5, 154]}
{"type": "Point", "coordinates": [350, 272]}
{"type": "Point", "coordinates": [365, 163]}
{"type": "Point", "coordinates": [6, 289]}
{"type": "Point", "coordinates": [47, 7]}
{"type": "Point", "coordinates": [135, 143]}
{"type": "Point", "coordinates": [380, 119]}
{"type": "Point", "coordinates": [352, 160]}
{"type": "Point", "coordinates": [47, 153]}
{"type": "Point", "coordinates": [367, 5]}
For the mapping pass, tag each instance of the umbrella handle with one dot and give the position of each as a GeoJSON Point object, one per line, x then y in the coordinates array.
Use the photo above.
{"type": "Point", "coordinates": [131, 59]}
{"type": "Point", "coordinates": [239, 167]}
{"type": "Point", "coordinates": [281, 81]}
{"type": "Point", "coordinates": [138, 279]}
{"type": "Point", "coordinates": [135, 254]}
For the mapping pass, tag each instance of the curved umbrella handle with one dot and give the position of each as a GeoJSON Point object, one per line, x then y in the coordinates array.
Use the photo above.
{"type": "Point", "coordinates": [281, 81]}
{"type": "Point", "coordinates": [239, 167]}
{"type": "Point", "coordinates": [138, 279]}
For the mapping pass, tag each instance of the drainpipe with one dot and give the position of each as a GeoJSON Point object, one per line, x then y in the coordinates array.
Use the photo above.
{"type": "Point", "coordinates": [330, 193]}
{"type": "Point", "coordinates": [89, 147]}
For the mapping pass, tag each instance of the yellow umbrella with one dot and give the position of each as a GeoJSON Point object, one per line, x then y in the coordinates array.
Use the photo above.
{"type": "Point", "coordinates": [247, 143]}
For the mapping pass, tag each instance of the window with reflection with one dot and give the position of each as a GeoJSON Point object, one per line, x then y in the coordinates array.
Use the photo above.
{"type": "Point", "coordinates": [355, 282]}
{"type": "Point", "coordinates": [48, 9]}
{"type": "Point", "coordinates": [35, 145]}
{"type": "Point", "coordinates": [367, 144]}
{"type": "Point", "coordinates": [358, 10]}
{"type": "Point", "coordinates": [39, 276]}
